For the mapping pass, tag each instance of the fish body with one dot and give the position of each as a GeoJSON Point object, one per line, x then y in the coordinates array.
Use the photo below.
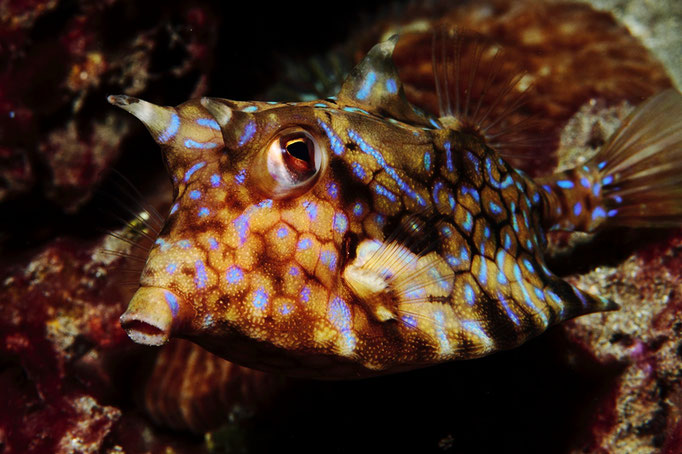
{"type": "Point", "coordinates": [357, 235]}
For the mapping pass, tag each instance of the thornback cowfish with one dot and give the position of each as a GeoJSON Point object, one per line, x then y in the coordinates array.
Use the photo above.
{"type": "Point", "coordinates": [357, 235]}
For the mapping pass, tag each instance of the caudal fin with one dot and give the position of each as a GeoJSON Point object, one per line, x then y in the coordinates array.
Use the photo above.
{"type": "Point", "coordinates": [634, 181]}
{"type": "Point", "coordinates": [640, 168]}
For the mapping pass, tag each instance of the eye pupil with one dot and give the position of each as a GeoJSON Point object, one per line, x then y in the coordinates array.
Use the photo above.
{"type": "Point", "coordinates": [298, 149]}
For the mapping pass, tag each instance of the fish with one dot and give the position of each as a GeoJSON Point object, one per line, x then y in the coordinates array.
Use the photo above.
{"type": "Point", "coordinates": [358, 235]}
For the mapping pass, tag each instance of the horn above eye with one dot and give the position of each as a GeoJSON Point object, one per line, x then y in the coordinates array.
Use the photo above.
{"type": "Point", "coordinates": [293, 160]}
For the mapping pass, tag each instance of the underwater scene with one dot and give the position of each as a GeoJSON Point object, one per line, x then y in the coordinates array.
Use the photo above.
{"type": "Point", "coordinates": [417, 226]}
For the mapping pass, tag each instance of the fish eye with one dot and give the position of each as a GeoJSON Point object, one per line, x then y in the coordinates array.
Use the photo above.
{"type": "Point", "coordinates": [294, 158]}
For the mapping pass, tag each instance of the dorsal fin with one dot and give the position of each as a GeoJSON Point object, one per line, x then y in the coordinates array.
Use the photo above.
{"type": "Point", "coordinates": [374, 86]}
{"type": "Point", "coordinates": [478, 93]}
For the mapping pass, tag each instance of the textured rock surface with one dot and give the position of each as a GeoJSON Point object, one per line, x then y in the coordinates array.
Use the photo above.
{"type": "Point", "coordinates": [71, 381]}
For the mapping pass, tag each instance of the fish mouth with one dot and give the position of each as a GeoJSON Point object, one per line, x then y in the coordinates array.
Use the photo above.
{"type": "Point", "coordinates": [153, 316]}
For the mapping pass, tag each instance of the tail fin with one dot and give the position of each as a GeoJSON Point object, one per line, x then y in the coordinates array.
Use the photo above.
{"type": "Point", "coordinates": [634, 181]}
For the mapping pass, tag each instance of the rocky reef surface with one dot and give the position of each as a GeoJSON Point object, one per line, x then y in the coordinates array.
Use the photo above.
{"type": "Point", "coordinates": [72, 382]}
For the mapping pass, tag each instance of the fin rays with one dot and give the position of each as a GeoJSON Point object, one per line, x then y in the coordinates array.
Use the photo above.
{"type": "Point", "coordinates": [474, 90]}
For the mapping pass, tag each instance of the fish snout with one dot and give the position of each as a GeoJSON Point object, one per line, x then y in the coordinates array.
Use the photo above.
{"type": "Point", "coordinates": [154, 315]}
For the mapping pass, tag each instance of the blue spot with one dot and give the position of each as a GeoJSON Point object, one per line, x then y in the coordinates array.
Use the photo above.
{"type": "Point", "coordinates": [234, 275]}
{"type": "Point", "coordinates": [577, 209]}
{"type": "Point", "coordinates": [213, 243]}
{"type": "Point", "coordinates": [547, 188]}
{"type": "Point", "coordinates": [468, 222]}
{"type": "Point", "coordinates": [215, 180]}
{"type": "Point", "coordinates": [474, 161]}
{"type": "Point", "coordinates": [382, 191]}
{"type": "Point", "coordinates": [448, 157]}
{"type": "Point", "coordinates": [495, 208]}
{"type": "Point", "coordinates": [242, 225]}
{"type": "Point", "coordinates": [320, 105]}
{"type": "Point", "coordinates": [184, 244]}
{"type": "Point", "coordinates": [486, 232]}
{"type": "Point", "coordinates": [564, 184]}
{"type": "Point", "coordinates": [170, 269]}
{"type": "Point", "coordinates": [452, 260]}
{"type": "Point", "coordinates": [328, 258]}
{"type": "Point", "coordinates": [596, 189]}
{"type": "Point", "coordinates": [474, 328]}
{"type": "Point", "coordinates": [189, 143]}
{"type": "Point", "coordinates": [305, 294]}
{"type": "Point", "coordinates": [340, 223]}
{"type": "Point", "coordinates": [539, 293]}
{"type": "Point", "coordinates": [203, 212]}
{"type": "Point", "coordinates": [240, 176]}
{"type": "Point", "coordinates": [612, 213]}
{"type": "Point", "coordinates": [174, 208]}
{"type": "Point", "coordinates": [193, 169]}
{"type": "Point", "coordinates": [282, 232]}
{"type": "Point", "coordinates": [340, 316]}
{"type": "Point", "coordinates": [469, 295]}
{"type": "Point", "coordinates": [536, 197]}
{"type": "Point", "coordinates": [483, 272]}
{"type": "Point", "coordinates": [427, 161]}
{"type": "Point", "coordinates": [172, 302]}
{"type": "Point", "coordinates": [367, 85]}
{"type": "Point", "coordinates": [171, 130]}
{"type": "Point", "coordinates": [200, 279]}
{"type": "Point", "coordinates": [585, 182]}
{"type": "Point", "coordinates": [440, 331]}
{"type": "Point", "coordinates": [508, 181]}
{"type": "Point", "coordinates": [463, 254]}
{"type": "Point", "coordinates": [380, 219]}
{"type": "Point", "coordinates": [355, 110]}
{"type": "Point", "coordinates": [194, 194]}
{"type": "Point", "coordinates": [529, 266]}
{"type": "Point", "coordinates": [618, 199]}
{"type": "Point", "coordinates": [305, 243]}
{"type": "Point", "coordinates": [434, 123]}
{"type": "Point", "coordinates": [358, 209]}
{"type": "Point", "coordinates": [260, 298]}
{"type": "Point", "coordinates": [265, 203]}
{"type": "Point", "coordinates": [472, 192]}
{"type": "Point", "coordinates": [507, 241]}
{"type": "Point", "coordinates": [358, 171]}
{"type": "Point", "coordinates": [210, 122]}
{"type": "Point", "coordinates": [601, 165]}
{"type": "Point", "coordinates": [310, 208]}
{"type": "Point", "coordinates": [507, 309]}
{"type": "Point", "coordinates": [285, 309]}
{"type": "Point", "coordinates": [249, 109]}
{"type": "Point", "coordinates": [515, 223]}
{"type": "Point", "coordinates": [294, 271]}
{"type": "Point", "coordinates": [334, 141]}
{"type": "Point", "coordinates": [249, 131]}
{"type": "Point", "coordinates": [332, 190]}
{"type": "Point", "coordinates": [391, 86]}
{"type": "Point", "coordinates": [598, 213]}
{"type": "Point", "coordinates": [446, 231]}
{"type": "Point", "coordinates": [607, 180]}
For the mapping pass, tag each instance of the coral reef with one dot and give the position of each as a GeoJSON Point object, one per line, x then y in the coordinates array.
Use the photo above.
{"type": "Point", "coordinates": [71, 381]}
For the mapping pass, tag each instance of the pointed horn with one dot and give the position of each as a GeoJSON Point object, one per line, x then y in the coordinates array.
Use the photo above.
{"type": "Point", "coordinates": [220, 111]}
{"type": "Point", "coordinates": [162, 122]}
{"type": "Point", "coordinates": [154, 315]}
